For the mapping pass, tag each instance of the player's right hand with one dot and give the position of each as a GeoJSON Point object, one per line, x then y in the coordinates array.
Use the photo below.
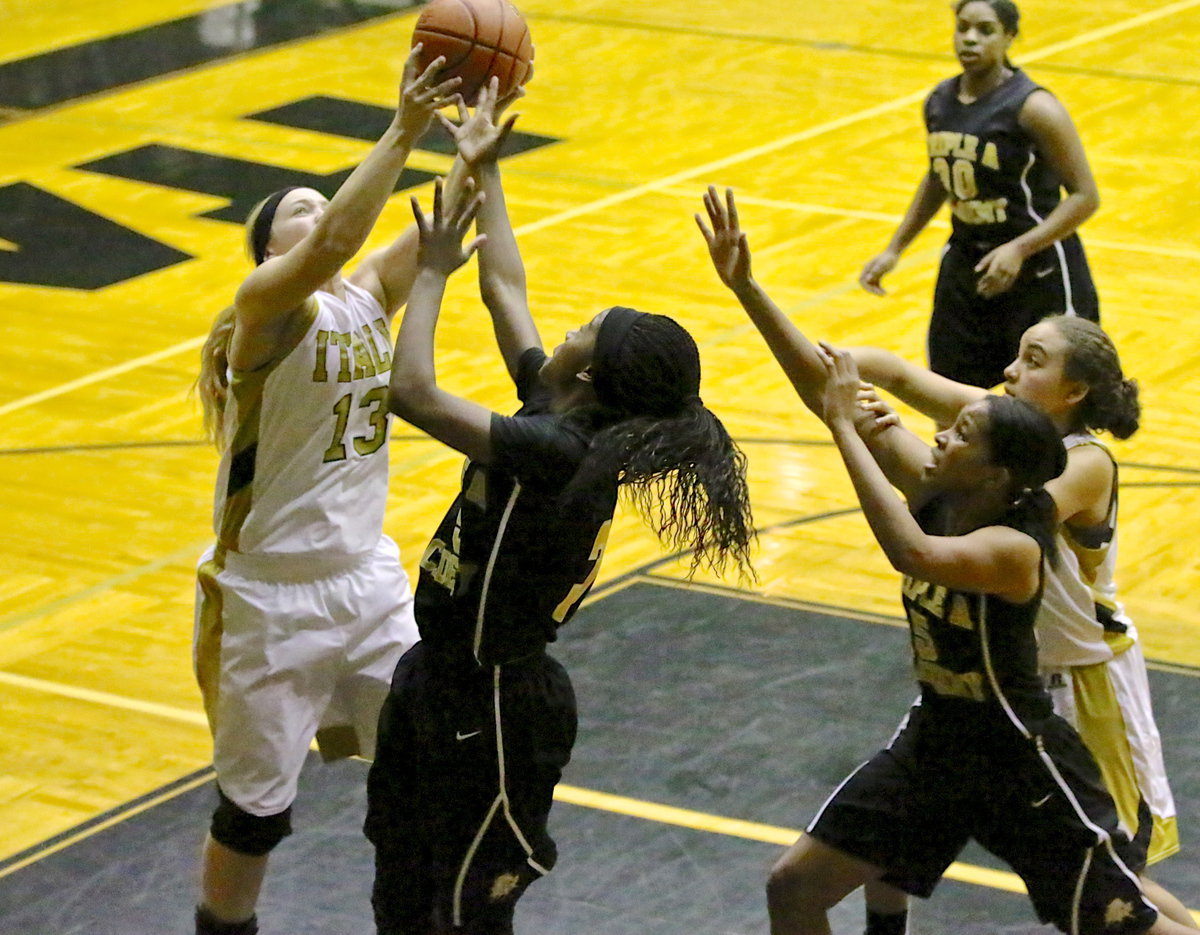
{"type": "Point", "coordinates": [727, 245]}
{"type": "Point", "coordinates": [421, 94]}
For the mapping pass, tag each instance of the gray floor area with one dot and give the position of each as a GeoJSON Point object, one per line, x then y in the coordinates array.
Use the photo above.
{"type": "Point", "coordinates": [704, 701]}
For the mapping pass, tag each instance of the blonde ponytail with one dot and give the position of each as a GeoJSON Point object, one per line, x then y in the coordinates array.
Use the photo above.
{"type": "Point", "coordinates": [212, 385]}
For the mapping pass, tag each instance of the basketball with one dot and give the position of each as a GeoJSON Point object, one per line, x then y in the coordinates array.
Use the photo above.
{"type": "Point", "coordinates": [479, 39]}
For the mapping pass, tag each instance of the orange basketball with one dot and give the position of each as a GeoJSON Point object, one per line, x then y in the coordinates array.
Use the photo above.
{"type": "Point", "coordinates": [479, 38]}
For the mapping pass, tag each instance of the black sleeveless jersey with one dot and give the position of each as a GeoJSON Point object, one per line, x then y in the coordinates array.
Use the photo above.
{"type": "Point", "coordinates": [973, 647]}
{"type": "Point", "coordinates": [998, 184]}
{"type": "Point", "coordinates": [508, 565]}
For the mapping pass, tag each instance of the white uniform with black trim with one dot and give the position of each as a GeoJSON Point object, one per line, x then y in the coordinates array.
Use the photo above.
{"type": "Point", "coordinates": [1092, 662]}
{"type": "Point", "coordinates": [303, 608]}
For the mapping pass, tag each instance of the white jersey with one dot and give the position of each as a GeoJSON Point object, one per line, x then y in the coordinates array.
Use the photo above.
{"type": "Point", "coordinates": [1081, 622]}
{"type": "Point", "coordinates": [304, 469]}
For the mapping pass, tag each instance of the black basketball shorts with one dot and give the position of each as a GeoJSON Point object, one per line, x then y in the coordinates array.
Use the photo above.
{"type": "Point", "coordinates": [461, 788]}
{"type": "Point", "coordinates": [972, 339]}
{"type": "Point", "coordinates": [1039, 805]}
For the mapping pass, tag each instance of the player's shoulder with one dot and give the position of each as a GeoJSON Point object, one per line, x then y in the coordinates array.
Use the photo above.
{"type": "Point", "coordinates": [945, 90]}
{"type": "Point", "coordinates": [1037, 102]}
{"type": "Point", "coordinates": [1090, 455]}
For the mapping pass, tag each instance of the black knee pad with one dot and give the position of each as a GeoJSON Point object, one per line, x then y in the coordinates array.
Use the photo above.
{"type": "Point", "coordinates": [248, 834]}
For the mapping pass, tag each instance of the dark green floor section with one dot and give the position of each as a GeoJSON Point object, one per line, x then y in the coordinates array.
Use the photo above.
{"type": "Point", "coordinates": [702, 701]}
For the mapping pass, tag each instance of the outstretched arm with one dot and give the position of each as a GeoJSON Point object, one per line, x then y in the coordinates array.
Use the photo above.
{"type": "Point", "coordinates": [388, 273]}
{"type": "Point", "coordinates": [993, 560]}
{"type": "Point", "coordinates": [414, 394]}
{"type": "Point", "coordinates": [730, 253]}
{"type": "Point", "coordinates": [928, 199]}
{"type": "Point", "coordinates": [501, 270]}
{"type": "Point", "coordinates": [927, 392]}
{"type": "Point", "coordinates": [282, 284]}
{"type": "Point", "coordinates": [900, 453]}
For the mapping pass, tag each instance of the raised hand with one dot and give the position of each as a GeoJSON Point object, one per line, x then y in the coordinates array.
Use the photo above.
{"type": "Point", "coordinates": [422, 94]}
{"type": "Point", "coordinates": [475, 134]}
{"type": "Point", "coordinates": [441, 237]}
{"type": "Point", "coordinates": [727, 245]}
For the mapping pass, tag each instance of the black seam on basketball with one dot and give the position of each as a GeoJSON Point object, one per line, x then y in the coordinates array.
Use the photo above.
{"type": "Point", "coordinates": [475, 44]}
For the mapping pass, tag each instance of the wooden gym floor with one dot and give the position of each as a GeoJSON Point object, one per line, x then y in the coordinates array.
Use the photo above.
{"type": "Point", "coordinates": [133, 134]}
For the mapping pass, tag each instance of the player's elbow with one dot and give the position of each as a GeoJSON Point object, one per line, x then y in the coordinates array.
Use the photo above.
{"type": "Point", "coordinates": [410, 394]}
{"type": "Point", "coordinates": [499, 292]}
{"type": "Point", "coordinates": [1092, 201]}
{"type": "Point", "coordinates": [911, 559]}
{"type": "Point", "coordinates": [1087, 201]}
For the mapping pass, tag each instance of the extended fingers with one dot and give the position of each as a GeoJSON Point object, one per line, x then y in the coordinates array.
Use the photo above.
{"type": "Point", "coordinates": [465, 211]}
{"type": "Point", "coordinates": [840, 360]}
{"type": "Point", "coordinates": [419, 216]}
{"type": "Point", "coordinates": [716, 210]}
{"type": "Point", "coordinates": [437, 201]}
{"type": "Point", "coordinates": [428, 75]}
{"type": "Point", "coordinates": [486, 104]}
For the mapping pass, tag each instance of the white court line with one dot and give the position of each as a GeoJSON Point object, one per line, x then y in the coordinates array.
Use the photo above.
{"type": "Point", "coordinates": [107, 699]}
{"type": "Point", "coordinates": [830, 126]}
{"type": "Point", "coordinates": [99, 375]}
{"type": "Point", "coordinates": [803, 207]}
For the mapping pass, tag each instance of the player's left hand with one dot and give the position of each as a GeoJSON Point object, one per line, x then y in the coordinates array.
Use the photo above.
{"type": "Point", "coordinates": [999, 269]}
{"type": "Point", "coordinates": [442, 235]}
{"type": "Point", "coordinates": [842, 386]}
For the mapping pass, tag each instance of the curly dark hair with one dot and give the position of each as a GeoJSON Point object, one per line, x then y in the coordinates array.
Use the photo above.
{"type": "Point", "coordinates": [1111, 403]}
{"type": "Point", "coordinates": [669, 453]}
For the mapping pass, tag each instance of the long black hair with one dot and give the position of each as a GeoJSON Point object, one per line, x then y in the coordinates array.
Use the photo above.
{"type": "Point", "coordinates": [668, 452]}
{"type": "Point", "coordinates": [1025, 441]}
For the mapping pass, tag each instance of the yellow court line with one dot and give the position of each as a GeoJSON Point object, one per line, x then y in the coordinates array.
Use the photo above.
{"type": "Point", "coordinates": [133, 574]}
{"type": "Point", "coordinates": [572, 795]}
{"type": "Point", "coordinates": [108, 823]}
{"type": "Point", "coordinates": [1142, 19]}
{"type": "Point", "coordinates": [660, 184]}
{"type": "Point", "coordinates": [772, 600]}
{"type": "Point", "coordinates": [178, 555]}
{"type": "Point", "coordinates": [751, 831]}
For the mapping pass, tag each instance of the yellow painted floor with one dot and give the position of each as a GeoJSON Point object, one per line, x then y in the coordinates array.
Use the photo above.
{"type": "Point", "coordinates": [810, 111]}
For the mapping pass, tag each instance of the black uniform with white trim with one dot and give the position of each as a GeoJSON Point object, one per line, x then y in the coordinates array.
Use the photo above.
{"type": "Point", "coordinates": [981, 754]}
{"type": "Point", "coordinates": [999, 186]}
{"type": "Point", "coordinates": [480, 720]}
